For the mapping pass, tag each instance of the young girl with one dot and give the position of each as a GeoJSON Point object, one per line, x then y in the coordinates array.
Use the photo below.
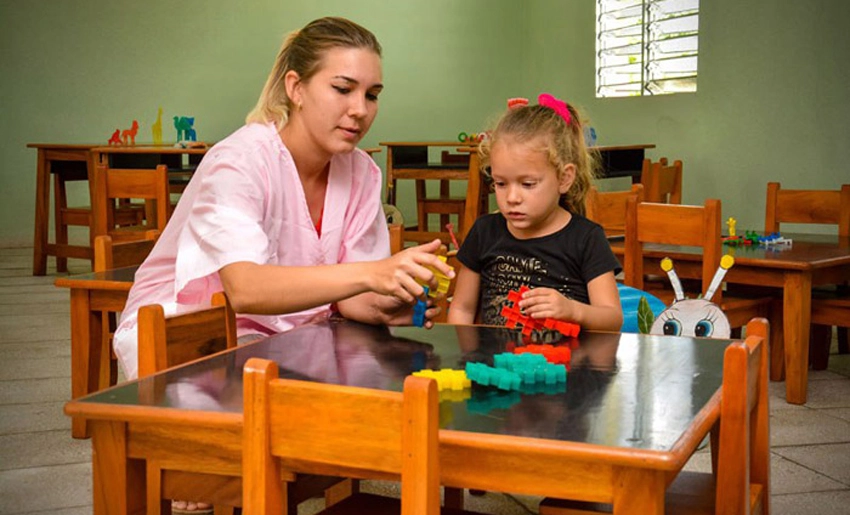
{"type": "Point", "coordinates": [541, 172]}
{"type": "Point", "coordinates": [285, 214]}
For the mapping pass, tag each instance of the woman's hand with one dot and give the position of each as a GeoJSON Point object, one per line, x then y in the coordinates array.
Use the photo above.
{"type": "Point", "coordinates": [395, 312]}
{"type": "Point", "coordinates": [400, 275]}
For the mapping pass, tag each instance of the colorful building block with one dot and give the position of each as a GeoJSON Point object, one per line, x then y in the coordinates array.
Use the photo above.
{"type": "Point", "coordinates": [559, 355]}
{"type": "Point", "coordinates": [419, 311]}
{"type": "Point", "coordinates": [513, 317]}
{"type": "Point", "coordinates": [532, 368]}
{"type": "Point", "coordinates": [443, 281]}
{"type": "Point", "coordinates": [447, 378]}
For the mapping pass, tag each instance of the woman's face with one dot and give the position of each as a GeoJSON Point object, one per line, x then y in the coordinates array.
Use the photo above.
{"type": "Point", "coordinates": [337, 106]}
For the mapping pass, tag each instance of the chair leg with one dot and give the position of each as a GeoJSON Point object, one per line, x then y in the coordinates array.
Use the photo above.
{"type": "Point", "coordinates": [843, 336]}
{"type": "Point", "coordinates": [60, 229]}
{"type": "Point", "coordinates": [820, 341]}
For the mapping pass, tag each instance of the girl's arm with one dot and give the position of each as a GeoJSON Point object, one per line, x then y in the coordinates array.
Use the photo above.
{"type": "Point", "coordinates": [272, 289]}
{"type": "Point", "coordinates": [604, 313]}
{"type": "Point", "coordinates": [464, 304]}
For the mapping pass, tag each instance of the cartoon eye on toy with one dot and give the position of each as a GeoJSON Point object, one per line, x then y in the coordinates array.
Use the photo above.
{"type": "Point", "coordinates": [704, 328]}
{"type": "Point", "coordinates": [672, 327]}
{"type": "Point", "coordinates": [693, 317]}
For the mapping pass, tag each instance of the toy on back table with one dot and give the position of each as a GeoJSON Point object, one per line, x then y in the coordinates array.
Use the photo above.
{"type": "Point", "coordinates": [185, 128]}
{"type": "Point", "coordinates": [129, 135]}
{"type": "Point", "coordinates": [116, 138]}
{"type": "Point", "coordinates": [156, 128]}
{"type": "Point", "coordinates": [514, 317]}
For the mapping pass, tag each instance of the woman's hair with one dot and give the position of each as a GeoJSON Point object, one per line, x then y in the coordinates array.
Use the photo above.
{"type": "Point", "coordinates": [565, 144]}
{"type": "Point", "coordinates": [302, 51]}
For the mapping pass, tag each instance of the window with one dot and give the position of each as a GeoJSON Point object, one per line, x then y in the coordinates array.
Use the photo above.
{"type": "Point", "coordinates": [646, 47]}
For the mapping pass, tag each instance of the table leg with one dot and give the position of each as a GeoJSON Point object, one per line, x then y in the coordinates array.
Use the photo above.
{"type": "Point", "coordinates": [118, 482]}
{"type": "Point", "coordinates": [639, 491]}
{"type": "Point", "coordinates": [797, 316]}
{"type": "Point", "coordinates": [86, 344]}
{"type": "Point", "coordinates": [42, 211]}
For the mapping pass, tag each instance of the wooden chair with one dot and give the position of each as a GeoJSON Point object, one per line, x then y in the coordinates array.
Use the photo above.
{"type": "Point", "coordinates": [109, 255]}
{"type": "Point", "coordinates": [170, 341]}
{"type": "Point", "coordinates": [282, 431]}
{"type": "Point", "coordinates": [695, 226]}
{"type": "Point", "coordinates": [831, 307]}
{"type": "Point", "coordinates": [662, 183]}
{"type": "Point", "coordinates": [740, 482]}
{"type": "Point", "coordinates": [608, 208]}
{"type": "Point", "coordinates": [410, 162]}
{"type": "Point", "coordinates": [113, 184]}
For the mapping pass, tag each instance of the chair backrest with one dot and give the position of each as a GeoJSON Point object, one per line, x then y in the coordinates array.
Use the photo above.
{"type": "Point", "coordinates": [743, 468]}
{"type": "Point", "coordinates": [170, 341]}
{"type": "Point", "coordinates": [672, 224]}
{"type": "Point", "coordinates": [830, 207]}
{"type": "Point", "coordinates": [608, 208]}
{"type": "Point", "coordinates": [662, 182]}
{"type": "Point", "coordinates": [284, 428]}
{"type": "Point", "coordinates": [112, 184]}
{"type": "Point", "coordinates": [396, 238]}
{"type": "Point", "coordinates": [108, 254]}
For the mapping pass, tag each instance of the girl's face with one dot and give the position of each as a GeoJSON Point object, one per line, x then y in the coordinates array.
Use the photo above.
{"type": "Point", "coordinates": [528, 187]}
{"type": "Point", "coordinates": [336, 108]}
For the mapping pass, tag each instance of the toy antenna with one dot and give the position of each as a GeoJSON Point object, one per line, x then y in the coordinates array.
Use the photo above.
{"type": "Point", "coordinates": [667, 266]}
{"type": "Point", "coordinates": [726, 263]}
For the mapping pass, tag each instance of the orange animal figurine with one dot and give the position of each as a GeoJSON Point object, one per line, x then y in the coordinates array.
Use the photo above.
{"type": "Point", "coordinates": [130, 134]}
{"type": "Point", "coordinates": [116, 138]}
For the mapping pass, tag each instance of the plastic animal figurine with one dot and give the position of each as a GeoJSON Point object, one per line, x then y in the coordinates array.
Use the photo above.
{"type": "Point", "coordinates": [129, 135]}
{"type": "Point", "coordinates": [156, 128]}
{"type": "Point", "coordinates": [116, 138]}
{"type": "Point", "coordinates": [185, 129]}
{"type": "Point", "coordinates": [694, 317]}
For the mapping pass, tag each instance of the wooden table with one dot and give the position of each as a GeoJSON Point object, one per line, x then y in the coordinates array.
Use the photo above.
{"type": "Point", "coordinates": [92, 295]}
{"type": "Point", "coordinates": [77, 162]}
{"type": "Point", "coordinates": [634, 409]}
{"type": "Point", "coordinates": [812, 260]}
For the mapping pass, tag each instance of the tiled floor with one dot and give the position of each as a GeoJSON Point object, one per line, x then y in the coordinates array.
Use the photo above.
{"type": "Point", "coordinates": [44, 471]}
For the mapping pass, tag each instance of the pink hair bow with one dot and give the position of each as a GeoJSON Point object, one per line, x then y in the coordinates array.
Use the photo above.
{"type": "Point", "coordinates": [560, 107]}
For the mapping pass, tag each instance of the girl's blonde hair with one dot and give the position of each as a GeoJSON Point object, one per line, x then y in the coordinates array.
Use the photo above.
{"type": "Point", "coordinates": [565, 144]}
{"type": "Point", "coordinates": [302, 51]}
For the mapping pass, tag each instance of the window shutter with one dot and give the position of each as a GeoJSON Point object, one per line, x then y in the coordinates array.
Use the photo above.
{"type": "Point", "coordinates": [646, 47]}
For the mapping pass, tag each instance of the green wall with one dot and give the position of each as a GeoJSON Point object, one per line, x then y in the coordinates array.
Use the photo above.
{"type": "Point", "coordinates": [772, 101]}
{"type": "Point", "coordinates": [770, 104]}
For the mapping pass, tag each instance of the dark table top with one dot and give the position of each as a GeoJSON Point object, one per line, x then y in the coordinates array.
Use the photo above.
{"type": "Point", "coordinates": [623, 390]}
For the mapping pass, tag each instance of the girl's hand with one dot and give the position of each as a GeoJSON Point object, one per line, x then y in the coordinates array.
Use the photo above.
{"type": "Point", "coordinates": [397, 275]}
{"type": "Point", "coordinates": [548, 303]}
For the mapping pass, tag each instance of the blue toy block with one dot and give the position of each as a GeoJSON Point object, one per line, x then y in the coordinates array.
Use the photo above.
{"type": "Point", "coordinates": [419, 311]}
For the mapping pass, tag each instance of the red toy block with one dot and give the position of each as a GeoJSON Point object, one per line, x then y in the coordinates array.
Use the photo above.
{"type": "Point", "coordinates": [514, 316]}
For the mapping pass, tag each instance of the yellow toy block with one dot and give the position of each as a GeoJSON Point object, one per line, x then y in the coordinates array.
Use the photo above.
{"type": "Point", "coordinates": [447, 378]}
{"type": "Point", "coordinates": [442, 281]}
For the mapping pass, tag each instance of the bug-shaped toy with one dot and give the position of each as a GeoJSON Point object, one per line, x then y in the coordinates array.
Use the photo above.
{"type": "Point", "coordinates": [693, 317]}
